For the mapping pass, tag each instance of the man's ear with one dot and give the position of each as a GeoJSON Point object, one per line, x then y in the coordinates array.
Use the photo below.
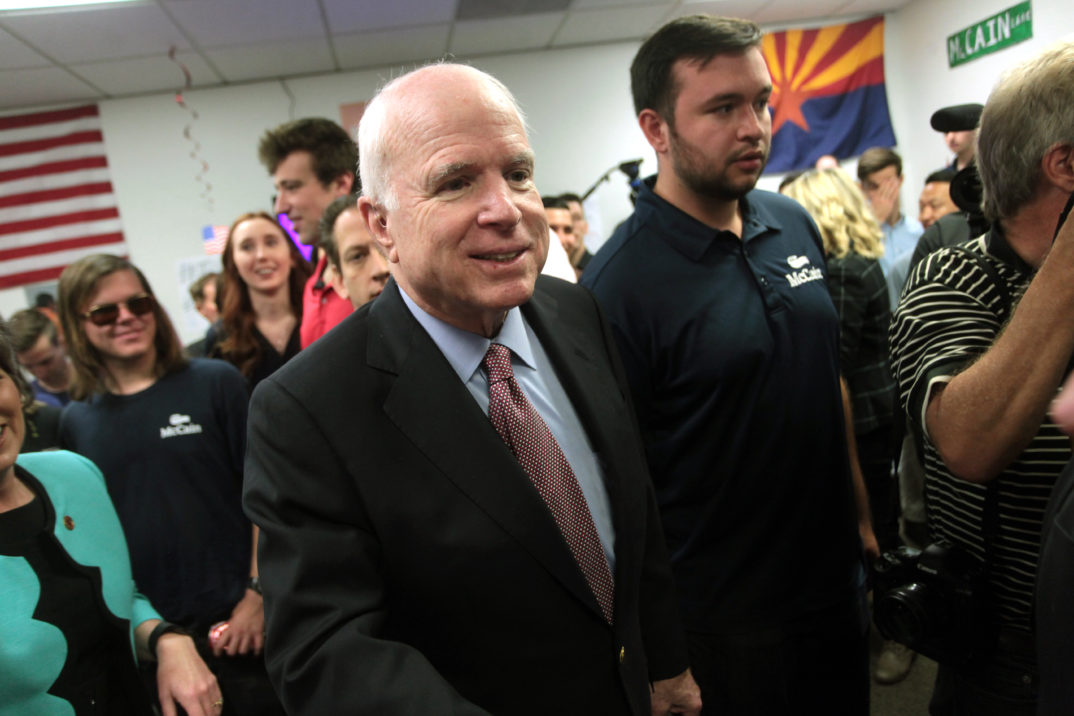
{"type": "Point", "coordinates": [342, 184]}
{"type": "Point", "coordinates": [333, 277]}
{"type": "Point", "coordinates": [377, 220]}
{"type": "Point", "coordinates": [655, 129]}
{"type": "Point", "coordinates": [1057, 166]}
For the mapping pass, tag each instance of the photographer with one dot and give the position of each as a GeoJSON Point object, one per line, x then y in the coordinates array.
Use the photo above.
{"type": "Point", "coordinates": [979, 344]}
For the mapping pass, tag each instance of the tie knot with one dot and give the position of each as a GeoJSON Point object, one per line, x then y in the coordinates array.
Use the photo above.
{"type": "Point", "coordinates": [498, 363]}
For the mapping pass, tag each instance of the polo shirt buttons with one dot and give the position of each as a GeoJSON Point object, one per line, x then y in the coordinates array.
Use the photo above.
{"type": "Point", "coordinates": [763, 280]}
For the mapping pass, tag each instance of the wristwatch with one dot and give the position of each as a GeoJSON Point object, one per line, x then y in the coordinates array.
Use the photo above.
{"type": "Point", "coordinates": [254, 583]}
{"type": "Point", "coordinates": [160, 630]}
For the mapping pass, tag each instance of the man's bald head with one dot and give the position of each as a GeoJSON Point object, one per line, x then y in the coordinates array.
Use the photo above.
{"type": "Point", "coordinates": [392, 117]}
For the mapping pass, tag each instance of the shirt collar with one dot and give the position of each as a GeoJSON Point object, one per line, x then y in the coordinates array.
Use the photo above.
{"type": "Point", "coordinates": [998, 246]}
{"type": "Point", "coordinates": [691, 237]}
{"type": "Point", "coordinates": [465, 350]}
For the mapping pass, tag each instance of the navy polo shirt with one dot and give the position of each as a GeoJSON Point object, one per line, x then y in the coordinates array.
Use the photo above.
{"type": "Point", "coordinates": [731, 348]}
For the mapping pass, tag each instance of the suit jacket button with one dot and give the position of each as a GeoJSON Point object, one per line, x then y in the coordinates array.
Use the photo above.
{"type": "Point", "coordinates": [622, 654]}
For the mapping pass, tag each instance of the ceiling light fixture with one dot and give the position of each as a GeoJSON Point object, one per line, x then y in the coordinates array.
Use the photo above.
{"type": "Point", "coordinates": [6, 5]}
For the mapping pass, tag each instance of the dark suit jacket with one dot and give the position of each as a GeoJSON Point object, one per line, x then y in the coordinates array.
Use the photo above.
{"type": "Point", "coordinates": [408, 564]}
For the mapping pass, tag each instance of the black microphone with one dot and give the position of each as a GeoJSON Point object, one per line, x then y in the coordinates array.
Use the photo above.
{"type": "Point", "coordinates": [631, 168]}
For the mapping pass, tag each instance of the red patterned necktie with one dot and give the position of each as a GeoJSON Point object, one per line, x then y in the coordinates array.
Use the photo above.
{"type": "Point", "coordinates": [521, 427]}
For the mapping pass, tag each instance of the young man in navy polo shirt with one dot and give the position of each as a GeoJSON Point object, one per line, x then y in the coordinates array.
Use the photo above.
{"type": "Point", "coordinates": [717, 296]}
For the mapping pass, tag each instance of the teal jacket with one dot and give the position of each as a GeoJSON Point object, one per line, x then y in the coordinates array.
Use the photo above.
{"type": "Point", "coordinates": [32, 653]}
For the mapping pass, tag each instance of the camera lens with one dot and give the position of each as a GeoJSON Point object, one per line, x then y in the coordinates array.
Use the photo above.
{"type": "Point", "coordinates": [901, 614]}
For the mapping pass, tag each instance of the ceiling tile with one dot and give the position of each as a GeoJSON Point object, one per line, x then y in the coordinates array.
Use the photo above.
{"type": "Point", "coordinates": [279, 59]}
{"type": "Point", "coordinates": [45, 85]}
{"type": "Point", "coordinates": [488, 9]}
{"type": "Point", "coordinates": [349, 16]}
{"type": "Point", "coordinates": [387, 47]}
{"type": "Point", "coordinates": [872, 6]}
{"type": "Point", "coordinates": [590, 4]}
{"type": "Point", "coordinates": [475, 37]}
{"type": "Point", "coordinates": [14, 54]}
{"type": "Point", "coordinates": [726, 8]}
{"type": "Point", "coordinates": [97, 33]}
{"type": "Point", "coordinates": [790, 11]}
{"type": "Point", "coordinates": [147, 74]}
{"type": "Point", "coordinates": [217, 23]}
{"type": "Point", "coordinates": [623, 23]}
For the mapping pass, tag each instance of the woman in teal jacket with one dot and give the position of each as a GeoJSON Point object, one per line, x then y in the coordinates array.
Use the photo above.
{"type": "Point", "coordinates": [71, 622]}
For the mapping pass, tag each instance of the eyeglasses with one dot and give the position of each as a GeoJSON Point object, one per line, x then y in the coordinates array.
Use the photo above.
{"type": "Point", "coordinates": [105, 314]}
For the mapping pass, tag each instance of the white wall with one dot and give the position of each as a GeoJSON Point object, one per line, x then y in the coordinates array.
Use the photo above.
{"type": "Point", "coordinates": [578, 107]}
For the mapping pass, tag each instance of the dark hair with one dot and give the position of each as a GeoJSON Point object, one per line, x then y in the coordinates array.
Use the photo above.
{"type": "Point", "coordinates": [697, 38]}
{"type": "Point", "coordinates": [327, 227]}
{"type": "Point", "coordinates": [44, 300]}
{"type": "Point", "coordinates": [876, 158]}
{"type": "Point", "coordinates": [333, 151]}
{"type": "Point", "coordinates": [570, 196]}
{"type": "Point", "coordinates": [197, 289]}
{"type": "Point", "coordinates": [10, 366]}
{"type": "Point", "coordinates": [27, 326]}
{"type": "Point", "coordinates": [238, 345]}
{"type": "Point", "coordinates": [945, 175]}
{"type": "Point", "coordinates": [77, 283]}
{"type": "Point", "coordinates": [555, 202]}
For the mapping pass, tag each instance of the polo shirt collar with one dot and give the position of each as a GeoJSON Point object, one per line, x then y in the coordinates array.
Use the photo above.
{"type": "Point", "coordinates": [465, 350]}
{"type": "Point", "coordinates": [689, 236]}
{"type": "Point", "coordinates": [998, 246]}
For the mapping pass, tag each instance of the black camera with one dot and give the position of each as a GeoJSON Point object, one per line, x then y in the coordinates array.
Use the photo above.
{"type": "Point", "coordinates": [936, 601]}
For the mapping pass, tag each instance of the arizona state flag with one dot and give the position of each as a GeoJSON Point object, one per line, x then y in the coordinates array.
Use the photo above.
{"type": "Point", "coordinates": [828, 93]}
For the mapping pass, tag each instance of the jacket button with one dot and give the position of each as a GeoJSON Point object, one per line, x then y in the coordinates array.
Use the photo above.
{"type": "Point", "coordinates": [68, 522]}
{"type": "Point", "coordinates": [622, 654]}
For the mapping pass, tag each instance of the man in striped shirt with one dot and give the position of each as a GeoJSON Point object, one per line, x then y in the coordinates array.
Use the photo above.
{"type": "Point", "coordinates": [979, 344]}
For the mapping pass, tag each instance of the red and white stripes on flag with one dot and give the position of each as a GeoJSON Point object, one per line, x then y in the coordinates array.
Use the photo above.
{"type": "Point", "coordinates": [214, 238]}
{"type": "Point", "coordinates": [56, 201]}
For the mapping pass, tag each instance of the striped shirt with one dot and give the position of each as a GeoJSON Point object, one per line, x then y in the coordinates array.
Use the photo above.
{"type": "Point", "coordinates": [950, 314]}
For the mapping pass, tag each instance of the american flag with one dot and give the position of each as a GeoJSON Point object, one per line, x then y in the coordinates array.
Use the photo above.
{"type": "Point", "coordinates": [214, 238]}
{"type": "Point", "coordinates": [56, 201]}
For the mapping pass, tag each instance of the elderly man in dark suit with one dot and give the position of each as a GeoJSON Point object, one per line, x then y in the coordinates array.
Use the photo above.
{"type": "Point", "coordinates": [455, 512]}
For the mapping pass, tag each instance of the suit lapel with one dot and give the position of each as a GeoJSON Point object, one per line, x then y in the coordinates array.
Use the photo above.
{"type": "Point", "coordinates": [432, 407]}
{"type": "Point", "coordinates": [582, 369]}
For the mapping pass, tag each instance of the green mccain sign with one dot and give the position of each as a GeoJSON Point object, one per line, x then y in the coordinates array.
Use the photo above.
{"type": "Point", "coordinates": [1004, 29]}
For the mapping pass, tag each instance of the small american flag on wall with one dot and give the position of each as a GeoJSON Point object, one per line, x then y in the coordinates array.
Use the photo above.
{"type": "Point", "coordinates": [56, 201]}
{"type": "Point", "coordinates": [214, 238]}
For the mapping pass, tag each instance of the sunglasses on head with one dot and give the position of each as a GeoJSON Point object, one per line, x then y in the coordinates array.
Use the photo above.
{"type": "Point", "coordinates": [104, 314]}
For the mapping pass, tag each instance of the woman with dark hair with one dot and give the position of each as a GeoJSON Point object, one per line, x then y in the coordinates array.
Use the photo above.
{"type": "Point", "coordinates": [262, 310]}
{"type": "Point", "coordinates": [72, 623]}
{"type": "Point", "coordinates": [169, 435]}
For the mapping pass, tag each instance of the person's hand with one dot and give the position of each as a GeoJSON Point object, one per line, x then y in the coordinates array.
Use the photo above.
{"type": "Point", "coordinates": [885, 198]}
{"type": "Point", "coordinates": [677, 695]}
{"type": "Point", "coordinates": [184, 679]}
{"type": "Point", "coordinates": [246, 628]}
{"type": "Point", "coordinates": [868, 541]}
{"type": "Point", "coordinates": [1062, 410]}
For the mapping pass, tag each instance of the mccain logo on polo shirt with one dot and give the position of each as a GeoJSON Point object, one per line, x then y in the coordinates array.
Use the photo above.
{"type": "Point", "coordinates": [801, 271]}
{"type": "Point", "coordinates": [179, 424]}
